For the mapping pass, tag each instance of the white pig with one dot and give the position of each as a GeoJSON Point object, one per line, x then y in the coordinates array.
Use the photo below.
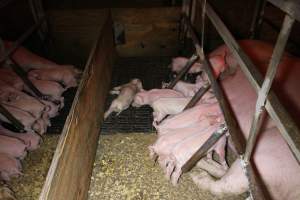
{"type": "Point", "coordinates": [126, 94]}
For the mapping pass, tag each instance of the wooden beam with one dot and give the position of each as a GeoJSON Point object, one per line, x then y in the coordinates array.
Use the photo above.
{"type": "Point", "coordinates": [282, 119]}
{"type": "Point", "coordinates": [71, 168]}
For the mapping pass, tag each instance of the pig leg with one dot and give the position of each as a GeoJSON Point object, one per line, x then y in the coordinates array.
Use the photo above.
{"type": "Point", "coordinates": [211, 166]}
{"type": "Point", "coordinates": [157, 117]}
{"type": "Point", "coordinates": [114, 107]}
{"type": "Point", "coordinates": [234, 182]}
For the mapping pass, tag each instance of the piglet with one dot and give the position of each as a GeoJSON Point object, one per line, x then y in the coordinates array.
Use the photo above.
{"type": "Point", "coordinates": [12, 146]}
{"type": "Point", "coordinates": [9, 167]}
{"type": "Point", "coordinates": [13, 97]}
{"type": "Point", "coordinates": [148, 97]}
{"type": "Point", "coordinates": [187, 89]}
{"type": "Point", "coordinates": [51, 88]}
{"type": "Point", "coordinates": [167, 106]}
{"type": "Point", "coordinates": [178, 64]}
{"type": "Point", "coordinates": [10, 78]}
{"type": "Point", "coordinates": [190, 117]}
{"type": "Point", "coordinates": [126, 94]}
{"type": "Point", "coordinates": [184, 150]}
{"type": "Point", "coordinates": [68, 75]}
{"type": "Point", "coordinates": [31, 139]}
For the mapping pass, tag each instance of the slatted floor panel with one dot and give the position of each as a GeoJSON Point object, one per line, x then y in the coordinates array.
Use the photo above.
{"type": "Point", "coordinates": [151, 71]}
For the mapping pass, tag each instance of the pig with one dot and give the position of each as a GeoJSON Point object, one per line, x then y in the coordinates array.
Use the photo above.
{"type": "Point", "coordinates": [25, 118]}
{"type": "Point", "coordinates": [51, 88]}
{"type": "Point", "coordinates": [189, 117]}
{"type": "Point", "coordinates": [163, 147]}
{"type": "Point", "coordinates": [30, 139]}
{"type": "Point", "coordinates": [68, 75]}
{"type": "Point", "coordinates": [9, 167]}
{"type": "Point", "coordinates": [12, 146]}
{"type": "Point", "coordinates": [167, 106]}
{"type": "Point", "coordinates": [185, 149]}
{"type": "Point", "coordinates": [126, 94]}
{"type": "Point", "coordinates": [52, 109]}
{"type": "Point", "coordinates": [28, 60]}
{"type": "Point", "coordinates": [178, 64]}
{"type": "Point", "coordinates": [272, 157]}
{"type": "Point", "coordinates": [11, 96]}
{"type": "Point", "coordinates": [187, 89]}
{"type": "Point", "coordinates": [148, 97]}
{"type": "Point", "coordinates": [9, 77]}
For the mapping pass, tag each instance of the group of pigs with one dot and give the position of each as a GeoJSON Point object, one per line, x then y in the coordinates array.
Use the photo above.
{"type": "Point", "coordinates": [50, 79]}
{"type": "Point", "coordinates": [182, 133]}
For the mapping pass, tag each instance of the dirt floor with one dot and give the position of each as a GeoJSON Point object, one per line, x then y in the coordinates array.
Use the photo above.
{"type": "Point", "coordinates": [124, 170]}
{"type": "Point", "coordinates": [35, 169]}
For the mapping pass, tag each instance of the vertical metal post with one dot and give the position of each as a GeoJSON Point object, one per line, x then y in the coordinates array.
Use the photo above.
{"type": "Point", "coordinates": [257, 20]}
{"type": "Point", "coordinates": [264, 91]}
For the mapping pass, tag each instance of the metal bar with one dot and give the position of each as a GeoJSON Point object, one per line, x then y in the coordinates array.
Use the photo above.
{"type": "Point", "coordinates": [291, 7]}
{"type": "Point", "coordinates": [257, 19]}
{"type": "Point", "coordinates": [277, 29]}
{"type": "Point", "coordinates": [184, 70]}
{"type": "Point", "coordinates": [193, 11]}
{"type": "Point", "coordinates": [266, 86]}
{"type": "Point", "coordinates": [20, 40]}
{"type": "Point", "coordinates": [204, 148]}
{"type": "Point", "coordinates": [15, 122]}
{"type": "Point", "coordinates": [282, 119]}
{"type": "Point", "coordinates": [255, 184]}
{"type": "Point", "coordinates": [199, 94]}
{"type": "Point", "coordinates": [38, 13]}
{"type": "Point", "coordinates": [23, 75]}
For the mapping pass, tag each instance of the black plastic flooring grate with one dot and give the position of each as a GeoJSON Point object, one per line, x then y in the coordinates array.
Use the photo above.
{"type": "Point", "coordinates": [151, 71]}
